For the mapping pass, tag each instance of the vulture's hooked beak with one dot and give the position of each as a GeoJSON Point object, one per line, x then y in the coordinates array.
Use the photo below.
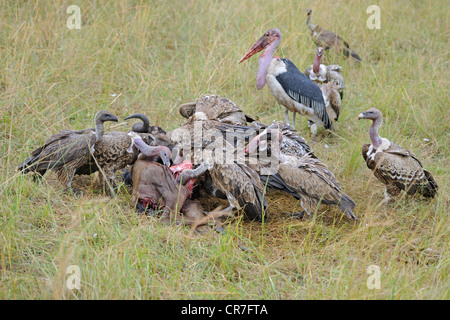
{"type": "Point", "coordinates": [362, 115]}
{"type": "Point", "coordinates": [165, 158]}
{"type": "Point", "coordinates": [113, 118]}
{"type": "Point", "coordinates": [257, 47]}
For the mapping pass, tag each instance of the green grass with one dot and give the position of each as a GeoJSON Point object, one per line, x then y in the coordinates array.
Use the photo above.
{"type": "Point", "coordinates": [144, 56]}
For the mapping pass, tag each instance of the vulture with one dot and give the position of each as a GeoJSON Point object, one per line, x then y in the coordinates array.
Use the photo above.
{"type": "Point", "coordinates": [332, 101]}
{"type": "Point", "coordinates": [212, 137]}
{"type": "Point", "coordinates": [306, 178]}
{"type": "Point", "coordinates": [113, 152]}
{"type": "Point", "coordinates": [68, 152]}
{"type": "Point", "coordinates": [144, 127]}
{"type": "Point", "coordinates": [320, 73]}
{"type": "Point", "coordinates": [152, 135]}
{"type": "Point", "coordinates": [155, 187]}
{"type": "Point", "coordinates": [328, 39]}
{"type": "Point", "coordinates": [397, 168]}
{"type": "Point", "coordinates": [291, 88]}
{"type": "Point", "coordinates": [214, 107]}
{"type": "Point", "coordinates": [229, 176]}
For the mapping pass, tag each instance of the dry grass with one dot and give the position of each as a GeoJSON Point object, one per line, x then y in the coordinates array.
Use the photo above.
{"type": "Point", "coordinates": [150, 56]}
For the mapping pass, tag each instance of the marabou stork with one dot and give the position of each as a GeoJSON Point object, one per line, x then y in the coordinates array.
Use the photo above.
{"type": "Point", "coordinates": [290, 87]}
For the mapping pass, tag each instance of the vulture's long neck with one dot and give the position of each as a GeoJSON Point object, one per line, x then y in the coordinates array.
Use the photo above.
{"type": "Point", "coordinates": [99, 130]}
{"type": "Point", "coordinates": [373, 132]}
{"type": "Point", "coordinates": [149, 151]}
{"type": "Point", "coordinates": [311, 26]}
{"type": "Point", "coordinates": [264, 62]}
{"type": "Point", "coordinates": [144, 126]}
{"type": "Point", "coordinates": [316, 65]}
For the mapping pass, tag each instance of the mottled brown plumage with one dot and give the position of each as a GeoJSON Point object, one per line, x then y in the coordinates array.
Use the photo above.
{"type": "Point", "coordinates": [114, 152]}
{"type": "Point", "coordinates": [315, 183]}
{"type": "Point", "coordinates": [243, 188]}
{"type": "Point", "coordinates": [305, 177]}
{"type": "Point", "coordinates": [231, 177]}
{"type": "Point", "coordinates": [328, 39]}
{"type": "Point", "coordinates": [203, 139]}
{"type": "Point", "coordinates": [215, 107]}
{"type": "Point", "coordinates": [68, 152]}
{"type": "Point", "coordinates": [332, 101]}
{"type": "Point", "coordinates": [397, 168]}
{"type": "Point", "coordinates": [292, 143]}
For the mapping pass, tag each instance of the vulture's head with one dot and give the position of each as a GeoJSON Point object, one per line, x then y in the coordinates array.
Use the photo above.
{"type": "Point", "coordinates": [151, 151]}
{"type": "Point", "coordinates": [103, 116]}
{"type": "Point", "coordinates": [165, 154]}
{"type": "Point", "coordinates": [319, 51]}
{"type": "Point", "coordinates": [308, 12]}
{"type": "Point", "coordinates": [140, 127]}
{"type": "Point", "coordinates": [268, 37]}
{"type": "Point", "coordinates": [371, 114]}
{"type": "Point", "coordinates": [187, 109]}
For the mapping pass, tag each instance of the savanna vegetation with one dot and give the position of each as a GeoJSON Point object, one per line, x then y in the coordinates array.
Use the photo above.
{"type": "Point", "coordinates": [151, 56]}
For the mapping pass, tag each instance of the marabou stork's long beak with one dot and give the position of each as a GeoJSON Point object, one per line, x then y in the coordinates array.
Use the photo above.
{"type": "Point", "coordinates": [257, 47]}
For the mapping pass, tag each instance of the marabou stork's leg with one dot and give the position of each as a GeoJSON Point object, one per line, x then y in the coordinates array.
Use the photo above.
{"type": "Point", "coordinates": [293, 120]}
{"type": "Point", "coordinates": [313, 131]}
{"type": "Point", "coordinates": [287, 117]}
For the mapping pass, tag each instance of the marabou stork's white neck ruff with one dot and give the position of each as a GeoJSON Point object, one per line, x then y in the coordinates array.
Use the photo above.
{"type": "Point", "coordinates": [291, 88]}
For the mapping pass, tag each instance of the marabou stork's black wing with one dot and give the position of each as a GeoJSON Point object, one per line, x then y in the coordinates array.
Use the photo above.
{"type": "Point", "coordinates": [303, 90]}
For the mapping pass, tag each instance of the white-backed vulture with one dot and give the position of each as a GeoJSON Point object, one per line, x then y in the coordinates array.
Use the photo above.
{"type": "Point", "coordinates": [305, 177]}
{"type": "Point", "coordinates": [113, 152]}
{"type": "Point", "coordinates": [68, 152]}
{"type": "Point", "coordinates": [328, 39]}
{"type": "Point", "coordinates": [229, 175]}
{"type": "Point", "coordinates": [397, 168]}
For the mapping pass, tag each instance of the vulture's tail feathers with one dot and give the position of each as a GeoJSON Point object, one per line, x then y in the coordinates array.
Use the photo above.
{"type": "Point", "coordinates": [430, 189]}
{"type": "Point", "coordinates": [347, 205]}
{"type": "Point", "coordinates": [349, 52]}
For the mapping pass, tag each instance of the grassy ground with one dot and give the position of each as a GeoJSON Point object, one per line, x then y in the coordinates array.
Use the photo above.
{"type": "Point", "coordinates": [139, 56]}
